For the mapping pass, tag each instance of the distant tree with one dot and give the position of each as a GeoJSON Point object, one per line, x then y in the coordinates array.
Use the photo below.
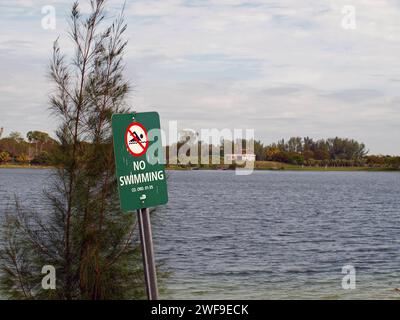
{"type": "Point", "coordinates": [259, 150]}
{"type": "Point", "coordinates": [22, 158]}
{"type": "Point", "coordinates": [295, 144]}
{"type": "Point", "coordinates": [4, 157]}
{"type": "Point", "coordinates": [394, 163]}
{"type": "Point", "coordinates": [345, 149]}
{"type": "Point", "coordinates": [271, 152]}
{"type": "Point", "coordinates": [1, 131]}
{"type": "Point", "coordinates": [301, 150]}
{"type": "Point", "coordinates": [38, 138]}
{"type": "Point", "coordinates": [16, 136]}
{"type": "Point", "coordinates": [308, 144]}
{"type": "Point", "coordinates": [43, 158]}
{"type": "Point", "coordinates": [14, 145]}
{"type": "Point", "coordinates": [308, 154]}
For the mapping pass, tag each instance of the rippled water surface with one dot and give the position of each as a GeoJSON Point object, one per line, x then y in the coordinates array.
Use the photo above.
{"type": "Point", "coordinates": [270, 235]}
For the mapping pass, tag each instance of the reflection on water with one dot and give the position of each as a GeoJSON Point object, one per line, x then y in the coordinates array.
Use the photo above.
{"type": "Point", "coordinates": [270, 235]}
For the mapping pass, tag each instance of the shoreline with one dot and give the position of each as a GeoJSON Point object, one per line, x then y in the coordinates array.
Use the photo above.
{"type": "Point", "coordinates": [24, 166]}
{"type": "Point", "coordinates": [283, 167]}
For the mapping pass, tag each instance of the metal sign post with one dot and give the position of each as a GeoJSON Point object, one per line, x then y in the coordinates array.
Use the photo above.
{"type": "Point", "coordinates": [146, 241]}
{"type": "Point", "coordinates": [141, 178]}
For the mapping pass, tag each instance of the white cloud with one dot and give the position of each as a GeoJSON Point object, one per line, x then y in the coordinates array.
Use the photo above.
{"type": "Point", "coordinates": [282, 67]}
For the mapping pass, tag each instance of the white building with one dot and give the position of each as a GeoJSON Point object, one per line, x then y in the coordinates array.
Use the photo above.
{"type": "Point", "coordinates": [249, 157]}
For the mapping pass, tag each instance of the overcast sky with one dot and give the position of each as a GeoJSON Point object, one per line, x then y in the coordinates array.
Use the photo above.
{"type": "Point", "coordinates": [285, 67]}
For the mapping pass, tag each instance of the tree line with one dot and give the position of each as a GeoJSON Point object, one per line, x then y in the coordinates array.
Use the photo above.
{"type": "Point", "coordinates": [36, 148]}
{"type": "Point", "coordinates": [331, 152]}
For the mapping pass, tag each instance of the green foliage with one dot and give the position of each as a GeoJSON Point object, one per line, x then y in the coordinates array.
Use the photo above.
{"type": "Point", "coordinates": [43, 158]}
{"type": "Point", "coordinates": [22, 158]}
{"type": "Point", "coordinates": [14, 144]}
{"type": "Point", "coordinates": [38, 149]}
{"type": "Point", "coordinates": [37, 136]}
{"type": "Point", "coordinates": [4, 157]}
{"type": "Point", "coordinates": [259, 150]}
{"type": "Point", "coordinates": [38, 139]}
{"type": "Point", "coordinates": [84, 236]}
{"type": "Point", "coordinates": [389, 162]}
{"type": "Point", "coordinates": [16, 136]}
{"type": "Point", "coordinates": [301, 151]}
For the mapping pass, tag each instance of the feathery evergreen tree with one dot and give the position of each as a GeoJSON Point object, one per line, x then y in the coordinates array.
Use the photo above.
{"type": "Point", "coordinates": [83, 235]}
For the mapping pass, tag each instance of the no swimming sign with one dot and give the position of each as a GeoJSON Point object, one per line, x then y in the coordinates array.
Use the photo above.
{"type": "Point", "coordinates": [138, 158]}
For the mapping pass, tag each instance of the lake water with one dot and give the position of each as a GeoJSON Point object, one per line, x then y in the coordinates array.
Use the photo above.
{"type": "Point", "coordinates": [270, 235]}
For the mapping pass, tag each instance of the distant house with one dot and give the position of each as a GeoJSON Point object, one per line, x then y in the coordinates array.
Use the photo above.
{"type": "Point", "coordinates": [249, 157]}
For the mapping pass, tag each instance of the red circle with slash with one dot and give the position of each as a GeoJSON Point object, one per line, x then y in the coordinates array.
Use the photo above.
{"type": "Point", "coordinates": [136, 139]}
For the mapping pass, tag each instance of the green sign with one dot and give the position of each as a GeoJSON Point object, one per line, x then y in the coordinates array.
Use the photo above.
{"type": "Point", "coordinates": [139, 160]}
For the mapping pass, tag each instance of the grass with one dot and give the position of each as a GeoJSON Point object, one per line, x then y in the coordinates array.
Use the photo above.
{"type": "Point", "coordinates": [271, 165]}
{"type": "Point", "coordinates": [23, 166]}
{"type": "Point", "coordinates": [259, 165]}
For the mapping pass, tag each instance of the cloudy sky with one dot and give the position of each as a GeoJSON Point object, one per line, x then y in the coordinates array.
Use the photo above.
{"type": "Point", "coordinates": [284, 67]}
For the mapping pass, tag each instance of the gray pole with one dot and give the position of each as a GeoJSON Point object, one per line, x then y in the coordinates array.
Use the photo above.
{"type": "Point", "coordinates": [146, 241]}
